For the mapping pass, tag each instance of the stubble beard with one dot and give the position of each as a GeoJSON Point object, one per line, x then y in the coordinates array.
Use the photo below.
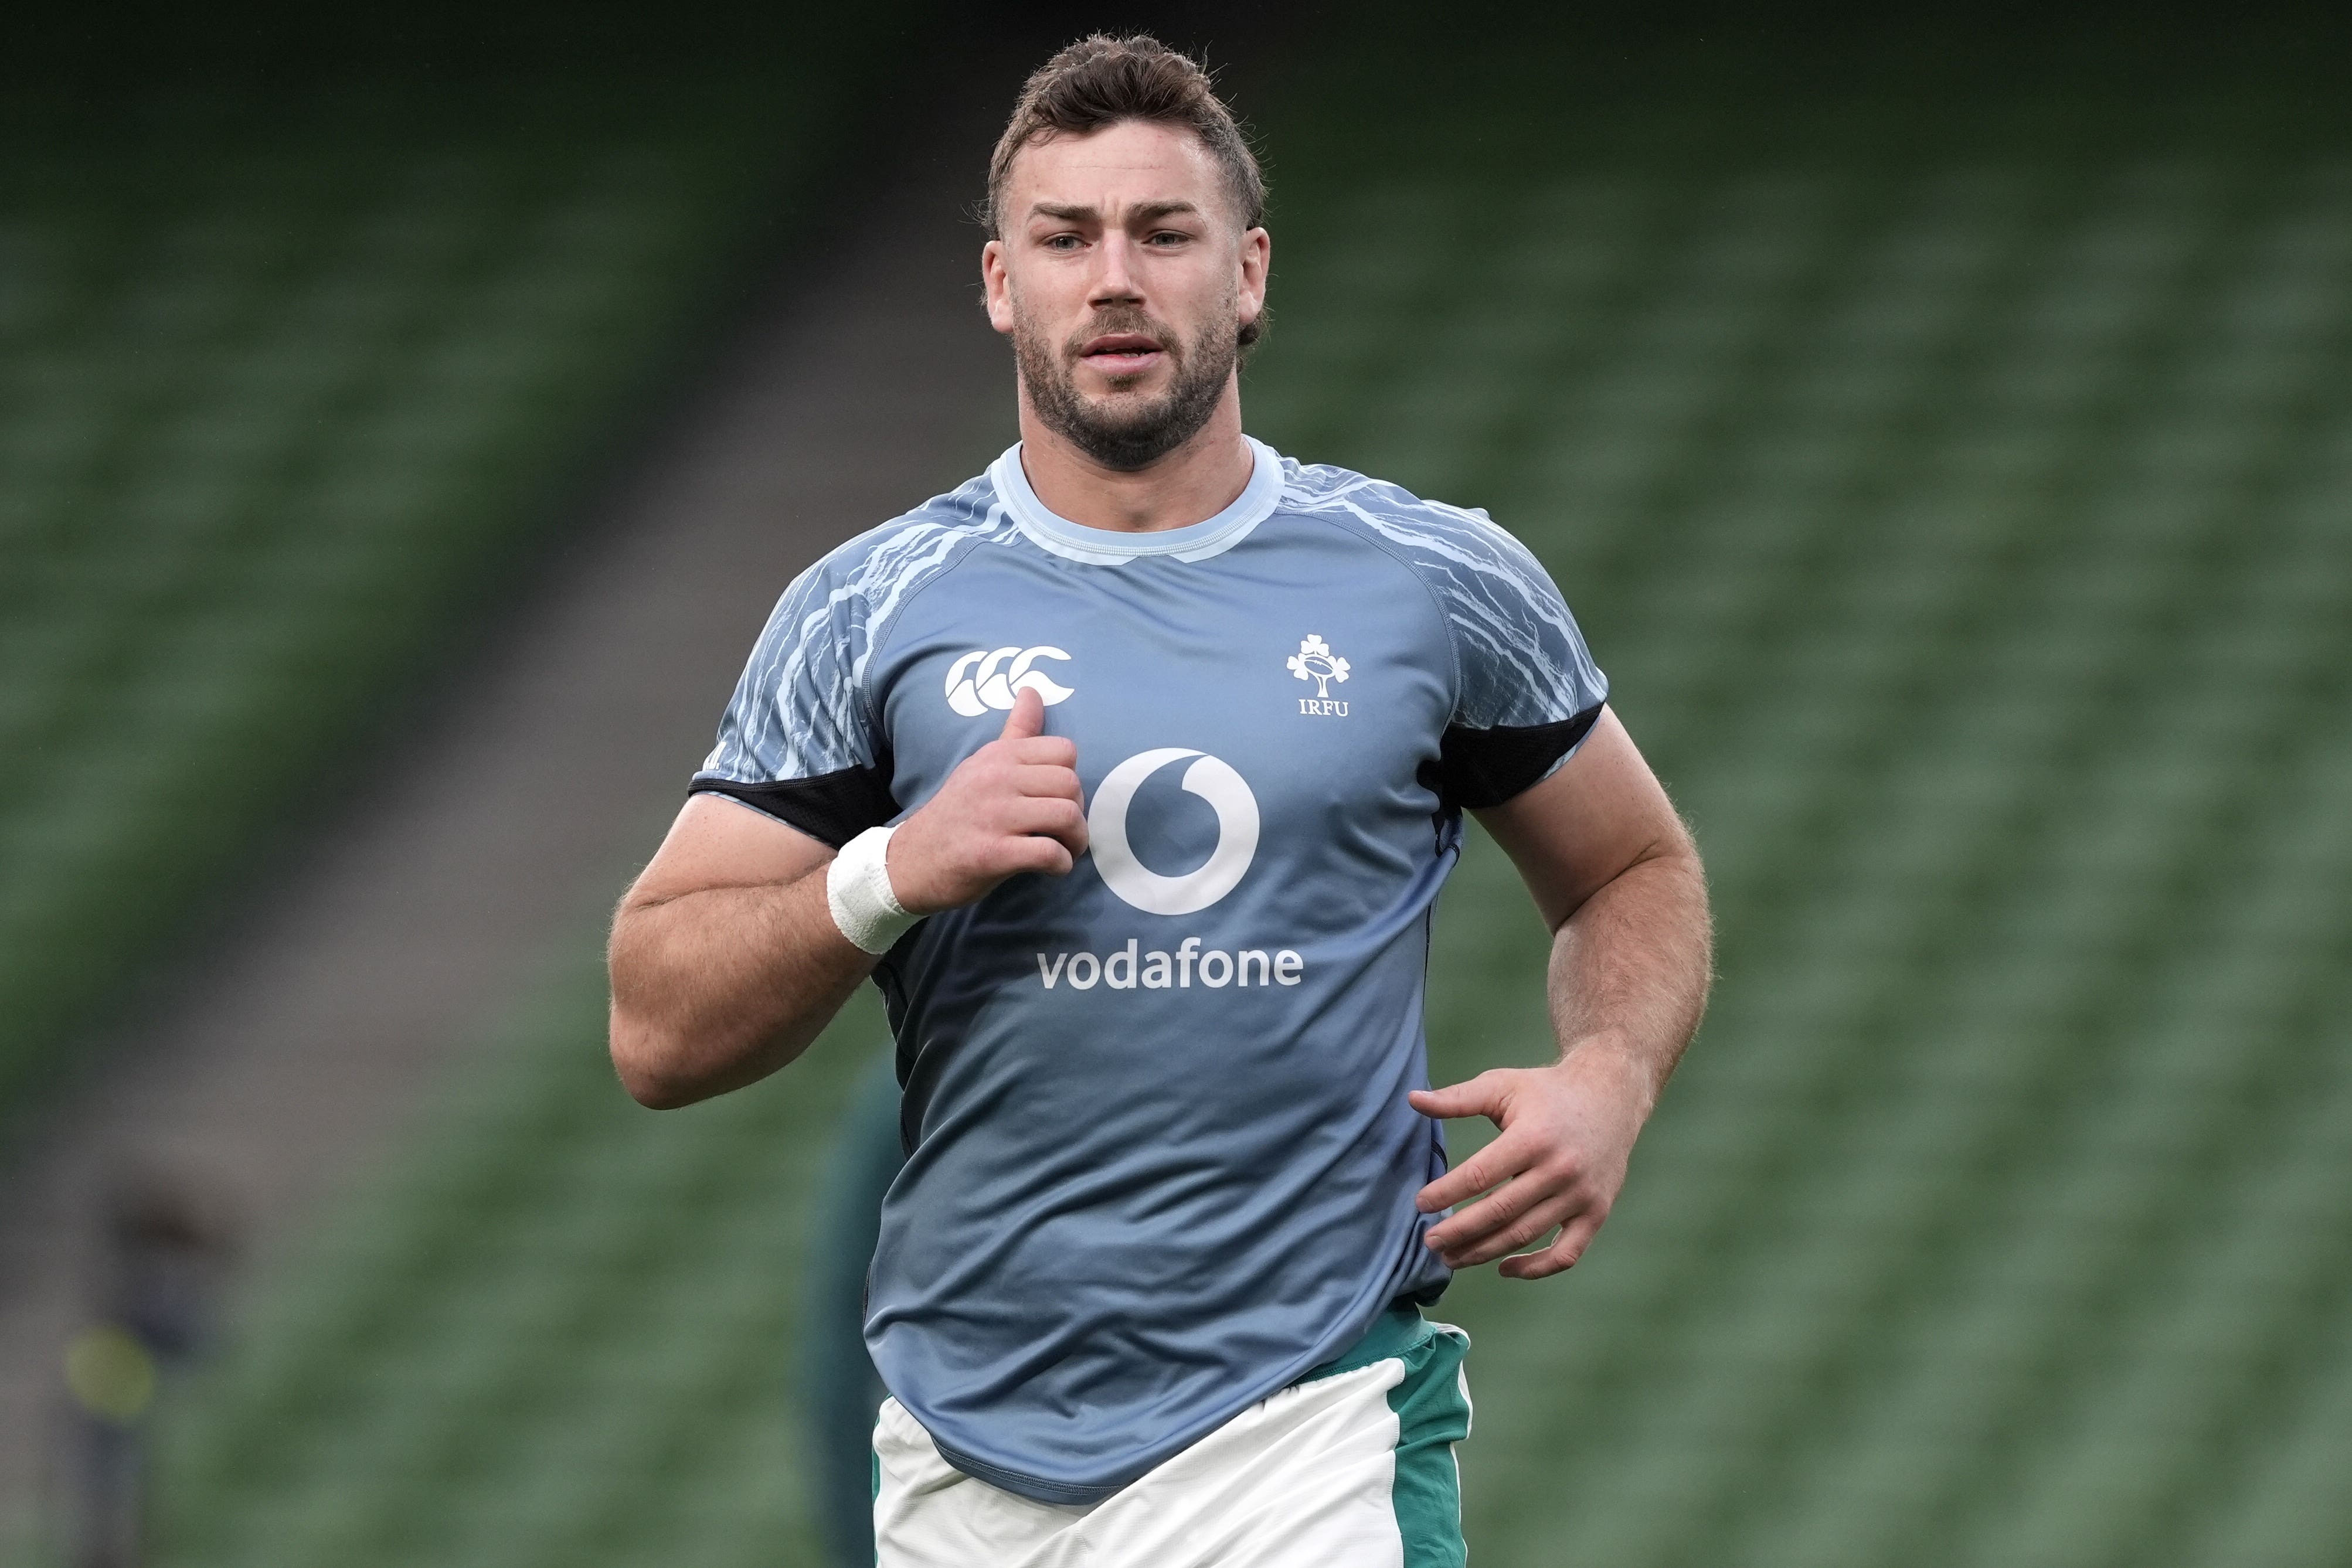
{"type": "Point", "coordinates": [1124, 432]}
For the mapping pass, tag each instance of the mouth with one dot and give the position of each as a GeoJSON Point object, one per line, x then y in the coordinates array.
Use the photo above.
{"type": "Point", "coordinates": [1121, 353]}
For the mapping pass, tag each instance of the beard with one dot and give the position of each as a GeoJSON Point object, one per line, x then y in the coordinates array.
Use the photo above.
{"type": "Point", "coordinates": [1126, 431]}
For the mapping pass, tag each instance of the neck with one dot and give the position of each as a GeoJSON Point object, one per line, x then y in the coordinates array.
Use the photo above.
{"type": "Point", "coordinates": [1191, 483]}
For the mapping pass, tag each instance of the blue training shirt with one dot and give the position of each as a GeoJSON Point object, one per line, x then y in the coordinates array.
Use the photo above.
{"type": "Point", "coordinates": [1159, 1158]}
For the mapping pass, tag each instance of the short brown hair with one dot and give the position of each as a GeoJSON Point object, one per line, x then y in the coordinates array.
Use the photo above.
{"type": "Point", "coordinates": [1101, 81]}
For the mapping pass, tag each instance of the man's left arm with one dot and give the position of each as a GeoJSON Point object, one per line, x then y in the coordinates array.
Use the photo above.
{"type": "Point", "coordinates": [1618, 881]}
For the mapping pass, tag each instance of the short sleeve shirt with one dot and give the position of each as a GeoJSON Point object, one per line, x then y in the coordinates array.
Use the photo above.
{"type": "Point", "coordinates": [1160, 1157]}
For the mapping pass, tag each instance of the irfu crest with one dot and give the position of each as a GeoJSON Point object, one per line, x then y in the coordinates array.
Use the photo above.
{"type": "Point", "coordinates": [1316, 661]}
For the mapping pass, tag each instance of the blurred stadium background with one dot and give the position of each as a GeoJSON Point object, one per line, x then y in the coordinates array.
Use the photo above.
{"type": "Point", "coordinates": [1942, 428]}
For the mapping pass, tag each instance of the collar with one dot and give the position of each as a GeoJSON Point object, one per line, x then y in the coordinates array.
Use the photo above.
{"type": "Point", "coordinates": [1108, 547]}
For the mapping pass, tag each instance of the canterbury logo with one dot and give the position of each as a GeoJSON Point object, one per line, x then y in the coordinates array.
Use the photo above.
{"type": "Point", "coordinates": [982, 680]}
{"type": "Point", "coordinates": [1211, 779]}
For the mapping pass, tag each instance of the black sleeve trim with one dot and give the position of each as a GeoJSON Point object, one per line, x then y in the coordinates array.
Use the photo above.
{"type": "Point", "coordinates": [833, 807]}
{"type": "Point", "coordinates": [1476, 768]}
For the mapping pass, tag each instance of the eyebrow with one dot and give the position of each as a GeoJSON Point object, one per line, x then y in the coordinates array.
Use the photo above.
{"type": "Point", "coordinates": [1149, 211]}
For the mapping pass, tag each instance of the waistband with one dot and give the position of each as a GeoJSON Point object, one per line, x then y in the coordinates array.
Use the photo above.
{"type": "Point", "coordinates": [1396, 1332]}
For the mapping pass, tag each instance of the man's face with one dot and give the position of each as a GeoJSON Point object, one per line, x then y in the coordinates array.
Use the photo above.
{"type": "Point", "coordinates": [1123, 278]}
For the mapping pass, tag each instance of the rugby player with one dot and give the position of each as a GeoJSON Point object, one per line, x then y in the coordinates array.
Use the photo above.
{"type": "Point", "coordinates": [1129, 771]}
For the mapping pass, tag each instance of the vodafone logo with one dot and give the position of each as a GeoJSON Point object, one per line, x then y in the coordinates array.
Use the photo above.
{"type": "Point", "coordinates": [982, 680]}
{"type": "Point", "coordinates": [1214, 780]}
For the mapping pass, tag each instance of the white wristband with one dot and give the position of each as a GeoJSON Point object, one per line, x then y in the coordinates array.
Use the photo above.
{"type": "Point", "coordinates": [857, 891]}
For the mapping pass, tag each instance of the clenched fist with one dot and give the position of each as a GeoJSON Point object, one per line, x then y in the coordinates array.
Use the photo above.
{"type": "Point", "coordinates": [1014, 805]}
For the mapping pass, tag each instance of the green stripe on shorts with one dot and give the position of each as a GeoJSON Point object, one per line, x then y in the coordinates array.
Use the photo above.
{"type": "Point", "coordinates": [1433, 1410]}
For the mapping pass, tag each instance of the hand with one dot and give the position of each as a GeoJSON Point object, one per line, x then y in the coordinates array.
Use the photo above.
{"type": "Point", "coordinates": [1014, 805]}
{"type": "Point", "coordinates": [1567, 1133]}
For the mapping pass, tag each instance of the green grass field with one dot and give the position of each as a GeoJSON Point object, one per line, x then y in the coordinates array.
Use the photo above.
{"type": "Point", "coordinates": [1958, 505]}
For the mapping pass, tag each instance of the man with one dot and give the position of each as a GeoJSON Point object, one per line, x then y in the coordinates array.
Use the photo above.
{"type": "Point", "coordinates": [1144, 755]}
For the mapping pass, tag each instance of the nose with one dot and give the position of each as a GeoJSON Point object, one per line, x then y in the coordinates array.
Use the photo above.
{"type": "Point", "coordinates": [1114, 281]}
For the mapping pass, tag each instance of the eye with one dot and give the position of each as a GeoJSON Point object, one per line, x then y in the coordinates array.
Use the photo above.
{"type": "Point", "coordinates": [1065, 241]}
{"type": "Point", "coordinates": [1166, 238]}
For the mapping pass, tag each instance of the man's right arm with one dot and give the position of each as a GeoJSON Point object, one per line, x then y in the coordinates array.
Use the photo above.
{"type": "Point", "coordinates": [725, 959]}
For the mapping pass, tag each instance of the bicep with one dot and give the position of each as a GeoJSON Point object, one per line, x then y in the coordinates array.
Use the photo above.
{"type": "Point", "coordinates": [719, 842]}
{"type": "Point", "coordinates": [1601, 813]}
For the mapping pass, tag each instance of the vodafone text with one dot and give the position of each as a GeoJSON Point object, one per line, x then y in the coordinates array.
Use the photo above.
{"type": "Point", "coordinates": [1156, 971]}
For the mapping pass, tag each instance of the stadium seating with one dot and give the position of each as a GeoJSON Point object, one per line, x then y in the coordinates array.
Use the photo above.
{"type": "Point", "coordinates": [561, 1328]}
{"type": "Point", "coordinates": [292, 394]}
{"type": "Point", "coordinates": [1956, 496]}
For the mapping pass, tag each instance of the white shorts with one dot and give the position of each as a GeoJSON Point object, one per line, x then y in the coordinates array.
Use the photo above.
{"type": "Point", "coordinates": [1352, 1467]}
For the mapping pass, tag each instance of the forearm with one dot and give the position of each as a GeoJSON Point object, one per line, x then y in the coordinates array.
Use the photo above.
{"type": "Point", "coordinates": [1630, 969]}
{"type": "Point", "coordinates": [716, 989]}
{"type": "Point", "coordinates": [1614, 870]}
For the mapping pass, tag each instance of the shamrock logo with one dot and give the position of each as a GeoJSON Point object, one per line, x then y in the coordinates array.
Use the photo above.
{"type": "Point", "coordinates": [1316, 661]}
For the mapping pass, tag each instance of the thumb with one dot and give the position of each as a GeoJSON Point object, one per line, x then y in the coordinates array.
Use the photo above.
{"type": "Point", "coordinates": [1481, 1096]}
{"type": "Point", "coordinates": [1027, 718]}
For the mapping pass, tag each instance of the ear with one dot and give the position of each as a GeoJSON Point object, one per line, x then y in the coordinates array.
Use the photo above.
{"type": "Point", "coordinates": [1257, 258]}
{"type": "Point", "coordinates": [996, 286]}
